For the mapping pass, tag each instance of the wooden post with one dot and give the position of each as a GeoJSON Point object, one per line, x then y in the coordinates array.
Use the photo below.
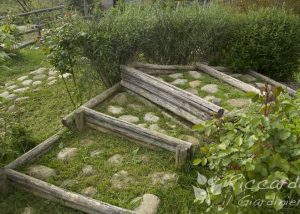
{"type": "Point", "coordinates": [3, 183]}
{"type": "Point", "coordinates": [79, 119]}
{"type": "Point", "coordinates": [181, 156]}
{"type": "Point", "coordinates": [85, 9]}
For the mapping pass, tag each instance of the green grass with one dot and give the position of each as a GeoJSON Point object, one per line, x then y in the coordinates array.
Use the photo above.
{"type": "Point", "coordinates": [25, 60]}
{"type": "Point", "coordinates": [225, 92]}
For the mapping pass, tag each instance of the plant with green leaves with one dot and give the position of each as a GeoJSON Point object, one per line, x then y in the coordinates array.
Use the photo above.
{"type": "Point", "coordinates": [254, 157]}
{"type": "Point", "coordinates": [7, 40]}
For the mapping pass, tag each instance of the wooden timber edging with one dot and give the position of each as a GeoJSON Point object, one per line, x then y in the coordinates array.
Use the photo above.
{"type": "Point", "coordinates": [62, 196]}
{"type": "Point", "coordinates": [37, 151]}
{"type": "Point", "coordinates": [96, 119]}
{"type": "Point", "coordinates": [268, 80]}
{"type": "Point", "coordinates": [160, 69]}
{"type": "Point", "coordinates": [69, 120]}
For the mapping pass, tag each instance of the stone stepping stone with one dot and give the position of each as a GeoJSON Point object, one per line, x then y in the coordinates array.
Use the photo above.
{"type": "Point", "coordinates": [11, 108]}
{"type": "Point", "coordinates": [69, 183]}
{"type": "Point", "coordinates": [238, 103]}
{"type": "Point", "coordinates": [4, 94]}
{"type": "Point", "coordinates": [41, 172]}
{"type": "Point", "coordinates": [210, 88]}
{"type": "Point", "coordinates": [65, 76]}
{"type": "Point", "coordinates": [27, 82]}
{"type": "Point", "coordinates": [116, 110]}
{"type": "Point", "coordinates": [21, 90]}
{"type": "Point", "coordinates": [194, 74]}
{"type": "Point", "coordinates": [156, 128]}
{"type": "Point", "coordinates": [66, 154]}
{"type": "Point", "coordinates": [36, 83]}
{"type": "Point", "coordinates": [89, 191]}
{"type": "Point", "coordinates": [129, 118]}
{"type": "Point", "coordinates": [51, 78]}
{"type": "Point", "coordinates": [12, 87]}
{"type": "Point", "coordinates": [213, 99]}
{"type": "Point", "coordinates": [11, 97]}
{"type": "Point", "coordinates": [151, 117]}
{"type": "Point", "coordinates": [120, 98]}
{"type": "Point", "coordinates": [40, 77]}
{"type": "Point", "coordinates": [143, 125]}
{"type": "Point", "coordinates": [21, 79]}
{"type": "Point", "coordinates": [136, 107]}
{"type": "Point", "coordinates": [96, 153]}
{"type": "Point", "coordinates": [88, 170]}
{"type": "Point", "coordinates": [87, 142]}
{"type": "Point", "coordinates": [179, 82]}
{"type": "Point", "coordinates": [28, 210]}
{"type": "Point", "coordinates": [52, 82]}
{"type": "Point", "coordinates": [39, 71]}
{"type": "Point", "coordinates": [247, 78]}
{"type": "Point", "coordinates": [190, 139]}
{"type": "Point", "coordinates": [21, 99]}
{"type": "Point", "coordinates": [195, 83]}
{"type": "Point", "coordinates": [122, 180]}
{"type": "Point", "coordinates": [175, 75]}
{"type": "Point", "coordinates": [53, 72]}
{"type": "Point", "coordinates": [10, 83]}
{"type": "Point", "coordinates": [149, 204]}
{"type": "Point", "coordinates": [163, 178]}
{"type": "Point", "coordinates": [116, 159]}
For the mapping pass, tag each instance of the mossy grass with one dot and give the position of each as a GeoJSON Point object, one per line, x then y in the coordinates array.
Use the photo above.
{"type": "Point", "coordinates": [176, 197]}
{"type": "Point", "coordinates": [225, 91]}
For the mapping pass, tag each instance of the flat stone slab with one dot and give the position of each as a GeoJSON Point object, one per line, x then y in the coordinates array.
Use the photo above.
{"type": "Point", "coordinates": [210, 88]}
{"type": "Point", "coordinates": [88, 170]}
{"type": "Point", "coordinates": [116, 159]}
{"type": "Point", "coordinates": [53, 72]}
{"type": "Point", "coordinates": [136, 107]}
{"type": "Point", "coordinates": [143, 125]}
{"type": "Point", "coordinates": [121, 180]}
{"type": "Point", "coordinates": [36, 83]}
{"type": "Point", "coordinates": [52, 82]}
{"type": "Point", "coordinates": [87, 142]}
{"type": "Point", "coordinates": [41, 172]}
{"type": "Point", "coordinates": [40, 77]}
{"type": "Point", "coordinates": [51, 78]}
{"type": "Point", "coordinates": [21, 99]}
{"type": "Point", "coordinates": [28, 210]}
{"type": "Point", "coordinates": [39, 71]}
{"type": "Point", "coordinates": [21, 90]}
{"type": "Point", "coordinates": [149, 204]}
{"type": "Point", "coordinates": [4, 94]}
{"type": "Point", "coordinates": [162, 178]}
{"type": "Point", "coordinates": [9, 83]}
{"type": "Point", "coordinates": [195, 83]}
{"type": "Point", "coordinates": [11, 108]}
{"type": "Point", "coordinates": [89, 191]}
{"type": "Point", "coordinates": [96, 153]}
{"type": "Point", "coordinates": [21, 79]}
{"type": "Point", "coordinates": [192, 90]}
{"type": "Point", "coordinates": [176, 75]}
{"type": "Point", "coordinates": [179, 82]}
{"type": "Point", "coordinates": [65, 76]}
{"type": "Point", "coordinates": [151, 117]}
{"type": "Point", "coordinates": [238, 103]}
{"type": "Point", "coordinates": [194, 74]}
{"type": "Point", "coordinates": [120, 98]}
{"type": "Point", "coordinates": [129, 118]}
{"type": "Point", "coordinates": [116, 110]}
{"type": "Point", "coordinates": [66, 154]}
{"type": "Point", "coordinates": [213, 99]}
{"type": "Point", "coordinates": [12, 87]}
{"type": "Point", "coordinates": [11, 97]}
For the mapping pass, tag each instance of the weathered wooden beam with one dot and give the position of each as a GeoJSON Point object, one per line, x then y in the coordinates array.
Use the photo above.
{"type": "Point", "coordinates": [228, 79]}
{"type": "Point", "coordinates": [291, 91]}
{"type": "Point", "coordinates": [68, 120]}
{"type": "Point", "coordinates": [181, 156]}
{"type": "Point", "coordinates": [162, 102]}
{"type": "Point", "coordinates": [36, 152]}
{"type": "Point", "coordinates": [64, 197]}
{"type": "Point", "coordinates": [162, 67]}
{"type": "Point", "coordinates": [3, 183]}
{"type": "Point", "coordinates": [79, 119]}
{"type": "Point", "coordinates": [175, 95]}
{"type": "Point", "coordinates": [133, 131]}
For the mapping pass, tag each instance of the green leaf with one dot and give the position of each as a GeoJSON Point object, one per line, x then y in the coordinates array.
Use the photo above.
{"type": "Point", "coordinates": [201, 179]}
{"type": "Point", "coordinates": [284, 134]}
{"type": "Point", "coordinates": [197, 161]}
{"type": "Point", "coordinates": [216, 189]}
{"type": "Point", "coordinates": [200, 194]}
{"type": "Point", "coordinates": [199, 127]}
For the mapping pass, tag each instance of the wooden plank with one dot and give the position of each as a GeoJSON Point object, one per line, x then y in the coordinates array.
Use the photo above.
{"type": "Point", "coordinates": [79, 119]}
{"type": "Point", "coordinates": [228, 79]}
{"type": "Point", "coordinates": [3, 183]}
{"type": "Point", "coordinates": [181, 156]}
{"type": "Point", "coordinates": [62, 196]}
{"type": "Point", "coordinates": [161, 102]}
{"type": "Point", "coordinates": [68, 120]}
{"type": "Point", "coordinates": [162, 67]}
{"type": "Point", "coordinates": [37, 151]}
{"type": "Point", "coordinates": [291, 91]}
{"type": "Point", "coordinates": [142, 79]}
{"type": "Point", "coordinates": [133, 131]}
{"type": "Point", "coordinates": [156, 72]}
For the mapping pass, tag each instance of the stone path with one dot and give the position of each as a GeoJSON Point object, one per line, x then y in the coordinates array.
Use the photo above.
{"type": "Point", "coordinates": [14, 90]}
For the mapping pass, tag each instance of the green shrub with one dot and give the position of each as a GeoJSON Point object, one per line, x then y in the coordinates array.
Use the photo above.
{"type": "Point", "coordinates": [266, 40]}
{"type": "Point", "coordinates": [254, 158]}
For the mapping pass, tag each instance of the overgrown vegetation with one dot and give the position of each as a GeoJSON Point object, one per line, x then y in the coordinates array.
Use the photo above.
{"type": "Point", "coordinates": [266, 40]}
{"type": "Point", "coordinates": [254, 157]}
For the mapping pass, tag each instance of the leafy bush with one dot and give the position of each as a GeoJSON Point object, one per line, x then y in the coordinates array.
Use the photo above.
{"type": "Point", "coordinates": [266, 40]}
{"type": "Point", "coordinates": [254, 157]}
{"type": "Point", "coordinates": [7, 40]}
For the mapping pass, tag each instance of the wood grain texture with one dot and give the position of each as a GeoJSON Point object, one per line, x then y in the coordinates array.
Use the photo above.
{"type": "Point", "coordinates": [162, 67]}
{"type": "Point", "coordinates": [62, 196]}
